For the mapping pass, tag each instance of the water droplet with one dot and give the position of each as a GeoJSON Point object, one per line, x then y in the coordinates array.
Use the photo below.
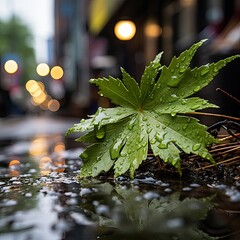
{"type": "Point", "coordinates": [144, 118]}
{"type": "Point", "coordinates": [204, 70]}
{"type": "Point", "coordinates": [82, 120]}
{"type": "Point", "coordinates": [123, 154]}
{"type": "Point", "coordinates": [183, 101]}
{"type": "Point", "coordinates": [182, 70]}
{"type": "Point", "coordinates": [197, 88]}
{"type": "Point", "coordinates": [173, 114]}
{"type": "Point", "coordinates": [129, 151]}
{"type": "Point", "coordinates": [153, 140]}
{"type": "Point", "coordinates": [196, 146]}
{"type": "Point", "coordinates": [116, 148]}
{"type": "Point", "coordinates": [194, 107]}
{"type": "Point", "coordinates": [183, 58]}
{"type": "Point", "coordinates": [215, 69]}
{"type": "Point", "coordinates": [184, 126]}
{"type": "Point", "coordinates": [162, 146]}
{"type": "Point", "coordinates": [139, 146]}
{"type": "Point", "coordinates": [149, 130]}
{"type": "Point", "coordinates": [177, 65]}
{"type": "Point", "coordinates": [100, 133]}
{"type": "Point", "coordinates": [84, 156]}
{"type": "Point", "coordinates": [173, 81]}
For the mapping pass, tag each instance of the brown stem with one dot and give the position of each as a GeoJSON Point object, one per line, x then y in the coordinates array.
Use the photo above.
{"type": "Point", "coordinates": [221, 162]}
{"type": "Point", "coordinates": [229, 95]}
{"type": "Point", "coordinates": [214, 115]}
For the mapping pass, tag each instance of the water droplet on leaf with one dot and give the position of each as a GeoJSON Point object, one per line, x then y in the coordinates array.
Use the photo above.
{"type": "Point", "coordinates": [162, 146]}
{"type": "Point", "coordinates": [196, 146]}
{"type": "Point", "coordinates": [84, 156]}
{"type": "Point", "coordinates": [204, 70]}
{"type": "Point", "coordinates": [100, 133]}
{"type": "Point", "coordinates": [149, 130]}
{"type": "Point", "coordinates": [116, 148]}
{"type": "Point", "coordinates": [197, 88]}
{"type": "Point", "coordinates": [153, 140]}
{"type": "Point", "coordinates": [182, 70]}
{"type": "Point", "coordinates": [194, 107]}
{"type": "Point", "coordinates": [173, 81]}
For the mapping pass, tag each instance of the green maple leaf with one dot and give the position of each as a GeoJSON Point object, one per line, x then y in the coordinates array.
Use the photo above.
{"type": "Point", "coordinates": [148, 116]}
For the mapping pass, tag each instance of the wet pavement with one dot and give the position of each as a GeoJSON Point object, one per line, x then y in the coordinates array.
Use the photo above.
{"type": "Point", "coordinates": [42, 198]}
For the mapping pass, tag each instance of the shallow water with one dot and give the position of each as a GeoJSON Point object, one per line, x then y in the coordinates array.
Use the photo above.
{"type": "Point", "coordinates": [41, 198]}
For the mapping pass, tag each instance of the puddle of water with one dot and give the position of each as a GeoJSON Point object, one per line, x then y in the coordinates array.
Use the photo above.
{"type": "Point", "coordinates": [40, 198]}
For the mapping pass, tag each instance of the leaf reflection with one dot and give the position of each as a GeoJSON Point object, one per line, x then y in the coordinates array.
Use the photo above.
{"type": "Point", "coordinates": [147, 215]}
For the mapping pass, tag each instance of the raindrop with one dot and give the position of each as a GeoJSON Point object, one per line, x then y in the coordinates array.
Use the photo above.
{"type": "Point", "coordinates": [194, 107]}
{"type": "Point", "coordinates": [144, 118]}
{"type": "Point", "coordinates": [123, 154]}
{"type": "Point", "coordinates": [84, 156]}
{"type": "Point", "coordinates": [82, 120]}
{"type": "Point", "coordinates": [204, 70]}
{"type": "Point", "coordinates": [149, 130]}
{"type": "Point", "coordinates": [100, 133]}
{"type": "Point", "coordinates": [153, 140]}
{"type": "Point", "coordinates": [196, 146]}
{"type": "Point", "coordinates": [197, 88]}
{"type": "Point", "coordinates": [177, 65]}
{"type": "Point", "coordinates": [183, 101]}
{"type": "Point", "coordinates": [173, 81]}
{"type": "Point", "coordinates": [215, 69]}
{"type": "Point", "coordinates": [182, 70]}
{"type": "Point", "coordinates": [183, 58]}
{"type": "Point", "coordinates": [139, 146]}
{"type": "Point", "coordinates": [162, 146]}
{"type": "Point", "coordinates": [116, 148]}
{"type": "Point", "coordinates": [173, 114]}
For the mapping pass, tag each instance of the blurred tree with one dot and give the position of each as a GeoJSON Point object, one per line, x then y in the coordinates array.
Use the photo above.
{"type": "Point", "coordinates": [16, 39]}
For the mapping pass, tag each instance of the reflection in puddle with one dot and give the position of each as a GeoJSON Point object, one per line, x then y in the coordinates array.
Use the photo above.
{"type": "Point", "coordinates": [40, 198]}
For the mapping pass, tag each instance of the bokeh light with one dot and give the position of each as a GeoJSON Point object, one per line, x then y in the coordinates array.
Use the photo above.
{"type": "Point", "coordinates": [152, 29]}
{"type": "Point", "coordinates": [11, 66]}
{"type": "Point", "coordinates": [42, 69]}
{"type": "Point", "coordinates": [53, 105]}
{"type": "Point", "coordinates": [125, 30]}
{"type": "Point", "coordinates": [56, 72]}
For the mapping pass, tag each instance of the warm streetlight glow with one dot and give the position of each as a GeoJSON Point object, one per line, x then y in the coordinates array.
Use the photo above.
{"type": "Point", "coordinates": [125, 30]}
{"type": "Point", "coordinates": [11, 66]}
{"type": "Point", "coordinates": [56, 72]}
{"type": "Point", "coordinates": [43, 69]}
{"type": "Point", "coordinates": [53, 105]}
{"type": "Point", "coordinates": [152, 29]}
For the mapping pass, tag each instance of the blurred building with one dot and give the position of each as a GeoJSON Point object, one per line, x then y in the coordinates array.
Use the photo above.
{"type": "Point", "coordinates": [86, 45]}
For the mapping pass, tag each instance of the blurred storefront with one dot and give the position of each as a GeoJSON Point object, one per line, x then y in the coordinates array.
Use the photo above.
{"type": "Point", "coordinates": [86, 45]}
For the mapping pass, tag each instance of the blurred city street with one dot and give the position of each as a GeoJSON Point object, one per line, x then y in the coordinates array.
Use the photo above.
{"type": "Point", "coordinates": [26, 127]}
{"type": "Point", "coordinates": [49, 51]}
